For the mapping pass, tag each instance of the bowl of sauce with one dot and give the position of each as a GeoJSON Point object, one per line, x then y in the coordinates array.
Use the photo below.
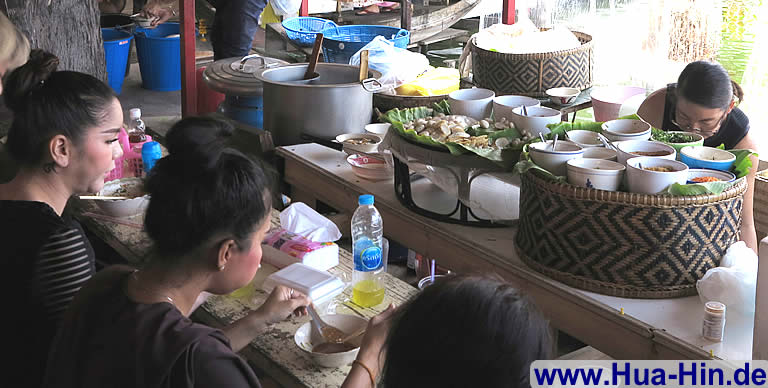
{"type": "Point", "coordinates": [331, 355]}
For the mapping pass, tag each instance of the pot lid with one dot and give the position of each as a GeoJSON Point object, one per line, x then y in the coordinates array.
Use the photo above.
{"type": "Point", "coordinates": [235, 76]}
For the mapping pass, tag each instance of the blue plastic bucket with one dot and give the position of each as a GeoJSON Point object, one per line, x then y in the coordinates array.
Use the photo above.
{"type": "Point", "coordinates": [159, 57]}
{"type": "Point", "coordinates": [245, 109]}
{"type": "Point", "coordinates": [117, 46]}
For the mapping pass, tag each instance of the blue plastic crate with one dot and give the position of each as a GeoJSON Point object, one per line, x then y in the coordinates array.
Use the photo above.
{"type": "Point", "coordinates": [342, 42]}
{"type": "Point", "coordinates": [302, 29]}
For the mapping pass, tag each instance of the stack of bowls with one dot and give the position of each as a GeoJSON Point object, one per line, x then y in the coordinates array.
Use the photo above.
{"type": "Point", "coordinates": [554, 160]}
{"type": "Point", "coordinates": [626, 129]}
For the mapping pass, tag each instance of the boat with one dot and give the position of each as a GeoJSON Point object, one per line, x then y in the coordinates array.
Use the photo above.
{"type": "Point", "coordinates": [427, 20]}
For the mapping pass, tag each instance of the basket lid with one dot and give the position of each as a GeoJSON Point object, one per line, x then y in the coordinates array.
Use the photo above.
{"type": "Point", "coordinates": [235, 75]}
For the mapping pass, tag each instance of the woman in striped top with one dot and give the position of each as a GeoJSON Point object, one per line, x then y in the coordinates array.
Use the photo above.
{"type": "Point", "coordinates": [62, 142]}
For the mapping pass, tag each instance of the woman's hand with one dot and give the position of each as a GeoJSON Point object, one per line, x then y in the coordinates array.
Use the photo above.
{"type": "Point", "coordinates": [375, 337]}
{"type": "Point", "coordinates": [281, 303]}
{"type": "Point", "coordinates": [159, 11]}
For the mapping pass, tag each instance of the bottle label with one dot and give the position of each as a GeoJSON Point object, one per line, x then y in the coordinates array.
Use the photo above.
{"type": "Point", "coordinates": [369, 259]}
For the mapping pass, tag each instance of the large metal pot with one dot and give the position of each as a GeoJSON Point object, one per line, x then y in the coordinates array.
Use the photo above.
{"type": "Point", "coordinates": [333, 103]}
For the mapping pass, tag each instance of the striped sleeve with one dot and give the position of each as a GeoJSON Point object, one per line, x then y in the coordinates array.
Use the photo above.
{"type": "Point", "coordinates": [64, 264]}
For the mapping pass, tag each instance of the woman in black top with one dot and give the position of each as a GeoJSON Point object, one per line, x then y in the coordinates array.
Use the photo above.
{"type": "Point", "coordinates": [208, 213]}
{"type": "Point", "coordinates": [61, 142]}
{"type": "Point", "coordinates": [704, 101]}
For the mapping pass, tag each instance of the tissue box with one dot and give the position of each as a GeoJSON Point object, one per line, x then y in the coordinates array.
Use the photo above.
{"type": "Point", "coordinates": [318, 255]}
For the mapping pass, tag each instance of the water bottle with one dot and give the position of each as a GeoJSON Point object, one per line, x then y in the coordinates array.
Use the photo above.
{"type": "Point", "coordinates": [369, 262]}
{"type": "Point", "coordinates": [136, 129]}
{"type": "Point", "coordinates": [150, 154]}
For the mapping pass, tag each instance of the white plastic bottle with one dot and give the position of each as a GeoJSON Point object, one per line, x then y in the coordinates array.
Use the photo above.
{"type": "Point", "coordinates": [369, 263]}
{"type": "Point", "coordinates": [136, 130]}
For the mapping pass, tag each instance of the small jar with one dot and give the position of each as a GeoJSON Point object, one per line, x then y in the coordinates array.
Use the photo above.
{"type": "Point", "coordinates": [713, 326]}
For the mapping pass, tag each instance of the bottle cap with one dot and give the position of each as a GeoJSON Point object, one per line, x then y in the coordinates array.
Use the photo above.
{"type": "Point", "coordinates": [135, 113]}
{"type": "Point", "coordinates": [365, 199]}
{"type": "Point", "coordinates": [151, 147]}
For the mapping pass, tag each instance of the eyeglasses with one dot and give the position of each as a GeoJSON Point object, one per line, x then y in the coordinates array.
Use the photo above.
{"type": "Point", "coordinates": [711, 128]}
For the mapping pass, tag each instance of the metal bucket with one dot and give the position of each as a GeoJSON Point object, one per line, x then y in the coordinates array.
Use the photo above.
{"type": "Point", "coordinates": [335, 102]}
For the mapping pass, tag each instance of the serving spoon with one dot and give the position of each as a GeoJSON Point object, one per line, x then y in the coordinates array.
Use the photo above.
{"type": "Point", "coordinates": [329, 332]}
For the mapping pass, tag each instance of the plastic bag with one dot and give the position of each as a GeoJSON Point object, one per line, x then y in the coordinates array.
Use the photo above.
{"type": "Point", "coordinates": [285, 7]}
{"type": "Point", "coordinates": [397, 66]}
{"type": "Point", "coordinates": [734, 282]}
{"type": "Point", "coordinates": [305, 221]}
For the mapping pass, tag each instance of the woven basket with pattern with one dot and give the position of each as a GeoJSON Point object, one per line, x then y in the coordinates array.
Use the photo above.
{"type": "Point", "coordinates": [533, 74]}
{"type": "Point", "coordinates": [625, 244]}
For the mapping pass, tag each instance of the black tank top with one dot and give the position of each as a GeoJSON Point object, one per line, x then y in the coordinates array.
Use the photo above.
{"type": "Point", "coordinates": [733, 128]}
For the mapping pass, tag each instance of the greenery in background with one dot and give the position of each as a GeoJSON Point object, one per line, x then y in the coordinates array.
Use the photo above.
{"type": "Point", "coordinates": [738, 35]}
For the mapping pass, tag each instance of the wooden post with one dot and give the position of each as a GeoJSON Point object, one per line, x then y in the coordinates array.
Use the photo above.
{"type": "Point", "coordinates": [508, 12]}
{"type": "Point", "coordinates": [406, 15]}
{"type": "Point", "coordinates": [68, 29]}
{"type": "Point", "coordinates": [188, 78]}
{"type": "Point", "coordinates": [304, 9]}
{"type": "Point", "coordinates": [760, 331]}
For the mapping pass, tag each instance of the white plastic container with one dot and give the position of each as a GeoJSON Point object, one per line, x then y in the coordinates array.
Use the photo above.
{"type": "Point", "coordinates": [320, 286]}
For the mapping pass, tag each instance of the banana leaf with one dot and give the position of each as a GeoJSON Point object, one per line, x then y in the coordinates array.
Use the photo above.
{"type": "Point", "coordinates": [698, 188]}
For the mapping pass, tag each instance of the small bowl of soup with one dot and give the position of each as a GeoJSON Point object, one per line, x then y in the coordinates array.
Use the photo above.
{"type": "Point", "coordinates": [633, 148]}
{"type": "Point", "coordinates": [707, 157]}
{"type": "Point", "coordinates": [360, 142]}
{"type": "Point", "coordinates": [136, 201]}
{"type": "Point", "coordinates": [704, 175]}
{"type": "Point", "coordinates": [651, 175]}
{"type": "Point", "coordinates": [626, 129]}
{"type": "Point", "coordinates": [331, 355]}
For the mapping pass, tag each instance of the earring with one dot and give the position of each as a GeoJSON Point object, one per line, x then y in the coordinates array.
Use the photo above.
{"type": "Point", "coordinates": [221, 267]}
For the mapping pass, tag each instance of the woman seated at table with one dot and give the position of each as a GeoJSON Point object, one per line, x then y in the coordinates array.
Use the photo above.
{"type": "Point", "coordinates": [61, 142]}
{"type": "Point", "coordinates": [704, 101]}
{"type": "Point", "coordinates": [463, 331]}
{"type": "Point", "coordinates": [14, 48]}
{"type": "Point", "coordinates": [208, 213]}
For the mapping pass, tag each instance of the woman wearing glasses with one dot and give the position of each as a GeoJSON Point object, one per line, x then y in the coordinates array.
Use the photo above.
{"type": "Point", "coordinates": [704, 101]}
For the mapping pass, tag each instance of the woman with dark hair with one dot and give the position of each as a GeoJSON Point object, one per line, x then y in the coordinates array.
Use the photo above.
{"type": "Point", "coordinates": [208, 213]}
{"type": "Point", "coordinates": [463, 331]}
{"type": "Point", "coordinates": [704, 101]}
{"type": "Point", "coordinates": [62, 141]}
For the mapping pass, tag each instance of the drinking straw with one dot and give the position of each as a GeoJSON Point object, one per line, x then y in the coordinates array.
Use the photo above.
{"type": "Point", "coordinates": [432, 272]}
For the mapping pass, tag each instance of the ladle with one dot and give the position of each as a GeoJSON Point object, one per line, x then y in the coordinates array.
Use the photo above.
{"type": "Point", "coordinates": [363, 65]}
{"type": "Point", "coordinates": [310, 73]}
{"type": "Point", "coordinates": [328, 332]}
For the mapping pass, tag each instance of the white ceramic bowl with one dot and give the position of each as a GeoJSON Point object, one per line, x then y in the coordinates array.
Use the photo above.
{"type": "Point", "coordinates": [554, 161]}
{"type": "Point", "coordinates": [707, 157]}
{"type": "Point", "coordinates": [347, 141]}
{"type": "Point", "coordinates": [725, 176]}
{"type": "Point", "coordinates": [536, 119]}
{"type": "Point", "coordinates": [123, 207]}
{"type": "Point", "coordinates": [563, 96]}
{"type": "Point", "coordinates": [599, 153]}
{"type": "Point", "coordinates": [645, 181]}
{"type": "Point", "coordinates": [595, 173]}
{"type": "Point", "coordinates": [369, 168]}
{"type": "Point", "coordinates": [628, 149]}
{"type": "Point", "coordinates": [476, 103]}
{"type": "Point", "coordinates": [584, 138]}
{"type": "Point", "coordinates": [306, 339]}
{"type": "Point", "coordinates": [503, 105]}
{"type": "Point", "coordinates": [626, 129]}
{"type": "Point", "coordinates": [143, 22]}
{"type": "Point", "coordinates": [378, 128]}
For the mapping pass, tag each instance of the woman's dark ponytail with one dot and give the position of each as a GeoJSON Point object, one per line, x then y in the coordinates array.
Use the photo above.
{"type": "Point", "coordinates": [708, 84]}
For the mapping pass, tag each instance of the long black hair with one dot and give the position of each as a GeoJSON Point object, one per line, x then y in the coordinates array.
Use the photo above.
{"type": "Point", "coordinates": [465, 331]}
{"type": "Point", "coordinates": [708, 84]}
{"type": "Point", "coordinates": [46, 103]}
{"type": "Point", "coordinates": [204, 189]}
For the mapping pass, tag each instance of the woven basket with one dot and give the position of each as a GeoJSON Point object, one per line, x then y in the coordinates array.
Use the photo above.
{"type": "Point", "coordinates": [386, 102]}
{"type": "Point", "coordinates": [625, 244]}
{"type": "Point", "coordinates": [533, 74]}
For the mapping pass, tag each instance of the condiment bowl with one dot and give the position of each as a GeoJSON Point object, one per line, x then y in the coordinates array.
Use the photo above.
{"type": "Point", "coordinates": [348, 141]}
{"type": "Point", "coordinates": [535, 119]}
{"type": "Point", "coordinates": [123, 187]}
{"type": "Point", "coordinates": [626, 129]}
{"type": "Point", "coordinates": [599, 153]}
{"type": "Point", "coordinates": [584, 138]}
{"type": "Point", "coordinates": [595, 173]}
{"type": "Point", "coordinates": [633, 148]}
{"type": "Point", "coordinates": [697, 140]}
{"type": "Point", "coordinates": [707, 157]}
{"type": "Point", "coordinates": [369, 168]}
{"type": "Point", "coordinates": [724, 176]}
{"type": "Point", "coordinates": [642, 180]}
{"type": "Point", "coordinates": [554, 160]}
{"type": "Point", "coordinates": [307, 339]}
{"type": "Point", "coordinates": [378, 128]}
{"type": "Point", "coordinates": [476, 103]}
{"type": "Point", "coordinates": [503, 105]}
{"type": "Point", "coordinates": [563, 96]}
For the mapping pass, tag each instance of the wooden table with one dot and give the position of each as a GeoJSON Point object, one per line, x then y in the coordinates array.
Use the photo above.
{"type": "Point", "coordinates": [273, 352]}
{"type": "Point", "coordinates": [648, 329]}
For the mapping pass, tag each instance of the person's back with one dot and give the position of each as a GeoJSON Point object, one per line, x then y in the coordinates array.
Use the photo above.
{"type": "Point", "coordinates": [465, 332]}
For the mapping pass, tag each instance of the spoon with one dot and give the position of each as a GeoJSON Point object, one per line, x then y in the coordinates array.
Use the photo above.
{"type": "Point", "coordinates": [328, 332]}
{"type": "Point", "coordinates": [607, 142]}
{"type": "Point", "coordinates": [525, 111]}
{"type": "Point", "coordinates": [554, 143]}
{"type": "Point", "coordinates": [541, 136]}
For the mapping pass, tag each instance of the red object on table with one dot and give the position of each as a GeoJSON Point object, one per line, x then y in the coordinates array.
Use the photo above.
{"type": "Point", "coordinates": [507, 13]}
{"type": "Point", "coordinates": [208, 100]}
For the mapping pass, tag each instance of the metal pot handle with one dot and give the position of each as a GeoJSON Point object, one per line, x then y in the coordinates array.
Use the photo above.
{"type": "Point", "coordinates": [247, 57]}
{"type": "Point", "coordinates": [371, 85]}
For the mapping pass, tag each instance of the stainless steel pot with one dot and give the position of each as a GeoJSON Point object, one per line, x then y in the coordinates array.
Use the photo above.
{"type": "Point", "coordinates": [335, 102]}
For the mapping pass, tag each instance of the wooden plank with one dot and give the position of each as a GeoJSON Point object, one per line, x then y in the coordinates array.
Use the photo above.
{"type": "Point", "coordinates": [188, 79]}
